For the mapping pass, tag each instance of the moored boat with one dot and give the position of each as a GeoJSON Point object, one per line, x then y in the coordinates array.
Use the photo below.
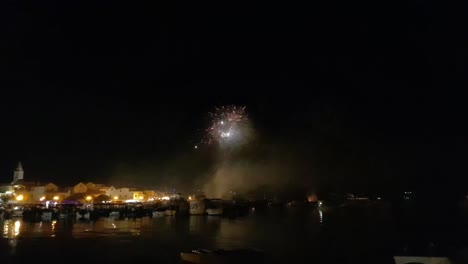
{"type": "Point", "coordinates": [46, 216]}
{"type": "Point", "coordinates": [203, 256]}
{"type": "Point", "coordinates": [158, 213]}
{"type": "Point", "coordinates": [114, 215]}
{"type": "Point", "coordinates": [197, 207]}
{"type": "Point", "coordinates": [17, 211]}
{"type": "Point", "coordinates": [214, 207]}
{"type": "Point", "coordinates": [171, 211]}
{"type": "Point", "coordinates": [214, 211]}
{"type": "Point", "coordinates": [421, 260]}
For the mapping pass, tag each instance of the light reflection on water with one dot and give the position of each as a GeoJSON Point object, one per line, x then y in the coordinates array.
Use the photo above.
{"type": "Point", "coordinates": [293, 234]}
{"type": "Point", "coordinates": [162, 237]}
{"type": "Point", "coordinates": [222, 229]}
{"type": "Point", "coordinates": [11, 228]}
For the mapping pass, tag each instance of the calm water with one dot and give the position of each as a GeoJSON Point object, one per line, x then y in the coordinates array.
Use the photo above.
{"type": "Point", "coordinates": [294, 235]}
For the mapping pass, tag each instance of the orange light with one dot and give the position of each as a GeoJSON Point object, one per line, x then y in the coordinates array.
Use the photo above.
{"type": "Point", "coordinates": [56, 198]}
{"type": "Point", "coordinates": [19, 197]}
{"type": "Point", "coordinates": [89, 198]}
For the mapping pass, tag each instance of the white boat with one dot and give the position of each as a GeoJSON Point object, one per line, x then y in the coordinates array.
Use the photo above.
{"type": "Point", "coordinates": [214, 211]}
{"type": "Point", "coordinates": [197, 207]}
{"type": "Point", "coordinates": [214, 207]}
{"type": "Point", "coordinates": [46, 216]}
{"type": "Point", "coordinates": [114, 214]}
{"type": "Point", "coordinates": [204, 256]}
{"type": "Point", "coordinates": [421, 260]}
{"type": "Point", "coordinates": [158, 213]}
{"type": "Point", "coordinates": [17, 212]}
{"type": "Point", "coordinates": [170, 212]}
{"type": "Point", "coordinates": [84, 216]}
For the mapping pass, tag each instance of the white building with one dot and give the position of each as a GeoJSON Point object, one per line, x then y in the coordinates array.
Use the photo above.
{"type": "Point", "coordinates": [123, 194]}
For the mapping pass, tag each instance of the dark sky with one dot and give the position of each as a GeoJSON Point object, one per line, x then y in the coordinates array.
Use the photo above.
{"type": "Point", "coordinates": [369, 95]}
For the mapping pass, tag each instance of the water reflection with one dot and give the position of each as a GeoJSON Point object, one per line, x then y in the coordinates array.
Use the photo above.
{"type": "Point", "coordinates": [11, 228]}
{"type": "Point", "coordinates": [5, 228]}
{"type": "Point", "coordinates": [167, 236]}
{"type": "Point", "coordinates": [17, 228]}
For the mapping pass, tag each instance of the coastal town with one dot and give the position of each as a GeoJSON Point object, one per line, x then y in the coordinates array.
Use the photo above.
{"type": "Point", "coordinates": [86, 201]}
{"type": "Point", "coordinates": [20, 191]}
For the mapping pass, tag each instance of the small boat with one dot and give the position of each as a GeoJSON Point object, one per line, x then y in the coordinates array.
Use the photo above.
{"type": "Point", "coordinates": [46, 216]}
{"type": "Point", "coordinates": [420, 260]}
{"type": "Point", "coordinates": [17, 212]}
{"type": "Point", "coordinates": [214, 207]}
{"type": "Point", "coordinates": [214, 211]}
{"type": "Point", "coordinates": [170, 212]}
{"type": "Point", "coordinates": [114, 214]}
{"type": "Point", "coordinates": [197, 207]}
{"type": "Point", "coordinates": [159, 212]}
{"type": "Point", "coordinates": [203, 256]}
{"type": "Point", "coordinates": [82, 215]}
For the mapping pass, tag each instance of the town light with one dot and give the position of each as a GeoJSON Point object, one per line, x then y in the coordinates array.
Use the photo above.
{"type": "Point", "coordinates": [56, 198]}
{"type": "Point", "coordinates": [42, 198]}
{"type": "Point", "coordinates": [89, 198]}
{"type": "Point", "coordinates": [19, 197]}
{"type": "Point", "coordinates": [116, 197]}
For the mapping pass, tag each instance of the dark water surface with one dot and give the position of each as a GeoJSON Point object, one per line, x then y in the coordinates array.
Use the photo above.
{"type": "Point", "coordinates": [287, 235]}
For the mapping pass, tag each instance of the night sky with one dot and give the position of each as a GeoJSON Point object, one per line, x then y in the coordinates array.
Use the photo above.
{"type": "Point", "coordinates": [356, 96]}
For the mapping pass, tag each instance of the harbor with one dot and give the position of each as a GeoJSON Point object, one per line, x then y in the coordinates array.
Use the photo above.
{"type": "Point", "coordinates": [89, 211]}
{"type": "Point", "coordinates": [367, 234]}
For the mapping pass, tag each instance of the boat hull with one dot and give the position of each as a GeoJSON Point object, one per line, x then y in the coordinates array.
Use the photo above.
{"type": "Point", "coordinates": [222, 256]}
{"type": "Point", "coordinates": [422, 260]}
{"type": "Point", "coordinates": [215, 211]}
{"type": "Point", "coordinates": [170, 212]}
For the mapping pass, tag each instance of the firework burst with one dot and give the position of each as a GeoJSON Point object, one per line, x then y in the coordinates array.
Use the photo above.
{"type": "Point", "coordinates": [226, 125]}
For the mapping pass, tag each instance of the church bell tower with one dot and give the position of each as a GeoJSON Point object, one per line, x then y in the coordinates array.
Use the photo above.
{"type": "Point", "coordinates": [19, 172]}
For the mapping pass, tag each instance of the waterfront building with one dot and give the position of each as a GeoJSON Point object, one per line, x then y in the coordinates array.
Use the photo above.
{"type": "Point", "coordinates": [80, 188]}
{"type": "Point", "coordinates": [129, 194]}
{"type": "Point", "coordinates": [17, 190]}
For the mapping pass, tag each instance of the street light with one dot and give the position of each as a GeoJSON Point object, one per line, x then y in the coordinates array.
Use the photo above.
{"type": "Point", "coordinates": [56, 198]}
{"type": "Point", "coordinates": [19, 197]}
{"type": "Point", "coordinates": [42, 198]}
{"type": "Point", "coordinates": [89, 198]}
{"type": "Point", "coordinates": [116, 197]}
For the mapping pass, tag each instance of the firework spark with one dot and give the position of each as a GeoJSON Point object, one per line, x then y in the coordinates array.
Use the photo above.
{"type": "Point", "coordinates": [227, 124]}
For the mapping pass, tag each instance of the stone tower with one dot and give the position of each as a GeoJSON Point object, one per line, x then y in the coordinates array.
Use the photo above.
{"type": "Point", "coordinates": [19, 173]}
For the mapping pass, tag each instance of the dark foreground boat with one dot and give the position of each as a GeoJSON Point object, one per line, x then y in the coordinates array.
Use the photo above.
{"type": "Point", "coordinates": [420, 260]}
{"type": "Point", "coordinates": [221, 256]}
